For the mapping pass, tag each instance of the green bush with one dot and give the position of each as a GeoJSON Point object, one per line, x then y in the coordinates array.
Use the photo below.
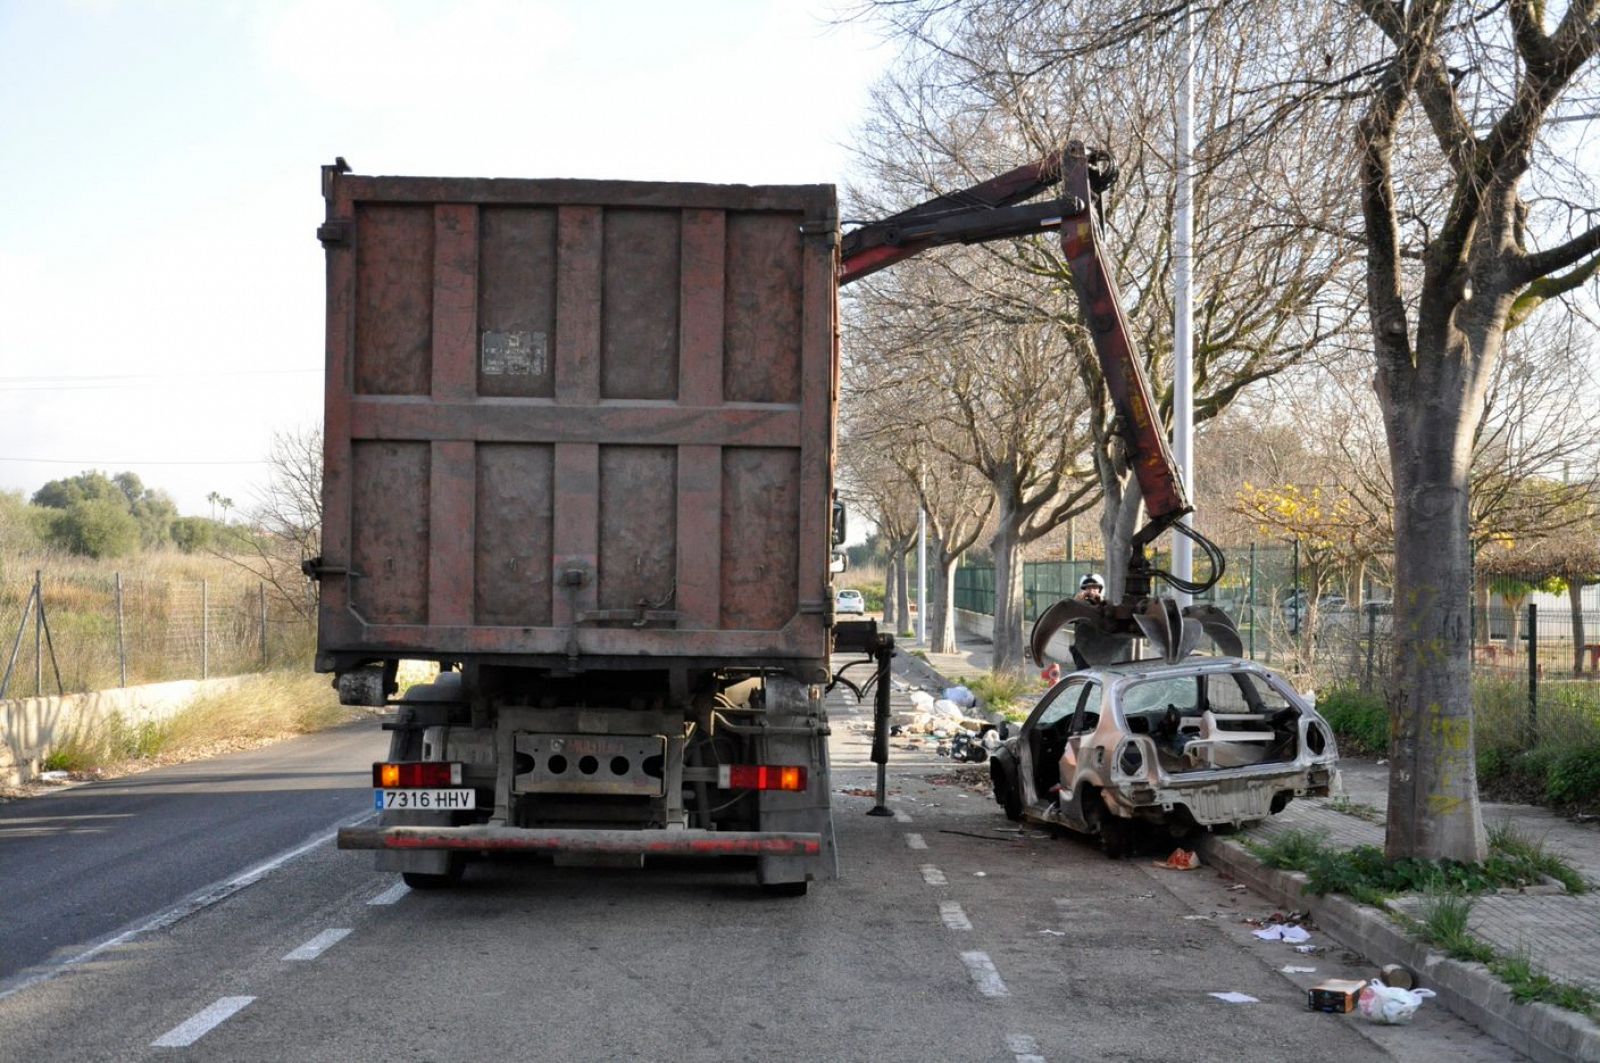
{"type": "Point", "coordinates": [1573, 776]}
{"type": "Point", "coordinates": [97, 528]}
{"type": "Point", "coordinates": [1360, 721]}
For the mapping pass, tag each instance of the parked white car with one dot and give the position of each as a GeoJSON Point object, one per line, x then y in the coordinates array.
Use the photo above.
{"type": "Point", "coordinates": [849, 601]}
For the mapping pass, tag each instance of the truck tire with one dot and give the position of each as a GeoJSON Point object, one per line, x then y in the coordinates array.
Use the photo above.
{"type": "Point", "coordinates": [422, 880]}
{"type": "Point", "coordinates": [785, 889]}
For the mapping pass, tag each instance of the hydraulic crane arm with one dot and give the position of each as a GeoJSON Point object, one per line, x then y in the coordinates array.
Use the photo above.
{"type": "Point", "coordinates": [995, 210]}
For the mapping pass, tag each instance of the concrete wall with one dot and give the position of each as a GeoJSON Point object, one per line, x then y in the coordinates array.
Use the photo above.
{"type": "Point", "coordinates": [31, 727]}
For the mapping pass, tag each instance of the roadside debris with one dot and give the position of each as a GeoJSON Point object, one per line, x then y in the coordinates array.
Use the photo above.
{"type": "Point", "coordinates": [1180, 860]}
{"type": "Point", "coordinates": [1055, 933]}
{"type": "Point", "coordinates": [1292, 969]}
{"type": "Point", "coordinates": [1390, 1005]}
{"type": "Point", "coordinates": [1237, 887]}
{"type": "Point", "coordinates": [1235, 998]}
{"type": "Point", "coordinates": [1294, 935]}
{"type": "Point", "coordinates": [1336, 995]}
{"type": "Point", "coordinates": [1392, 974]}
{"type": "Point", "coordinates": [1308, 950]}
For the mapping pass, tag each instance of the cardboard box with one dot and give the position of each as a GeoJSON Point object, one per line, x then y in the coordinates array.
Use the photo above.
{"type": "Point", "coordinates": [1334, 994]}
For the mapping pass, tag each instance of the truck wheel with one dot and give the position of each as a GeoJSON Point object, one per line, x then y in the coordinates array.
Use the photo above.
{"type": "Point", "coordinates": [785, 889]}
{"type": "Point", "coordinates": [422, 880]}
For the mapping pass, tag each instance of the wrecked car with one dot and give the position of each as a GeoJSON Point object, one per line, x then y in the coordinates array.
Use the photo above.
{"type": "Point", "coordinates": [1205, 742]}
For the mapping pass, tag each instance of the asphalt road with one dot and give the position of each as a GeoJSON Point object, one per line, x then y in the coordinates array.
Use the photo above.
{"type": "Point", "coordinates": [950, 936]}
{"type": "Point", "coordinates": [89, 862]}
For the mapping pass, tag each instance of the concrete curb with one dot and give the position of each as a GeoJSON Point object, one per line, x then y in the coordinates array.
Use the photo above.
{"type": "Point", "coordinates": [1539, 1031]}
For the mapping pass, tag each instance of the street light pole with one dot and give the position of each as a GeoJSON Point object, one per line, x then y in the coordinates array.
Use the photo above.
{"type": "Point", "coordinates": [1183, 306]}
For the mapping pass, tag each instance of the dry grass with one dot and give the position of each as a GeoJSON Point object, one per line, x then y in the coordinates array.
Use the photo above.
{"type": "Point", "coordinates": [259, 710]}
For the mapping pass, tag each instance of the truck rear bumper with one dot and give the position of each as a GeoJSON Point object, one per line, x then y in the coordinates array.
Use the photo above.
{"type": "Point", "coordinates": [633, 842]}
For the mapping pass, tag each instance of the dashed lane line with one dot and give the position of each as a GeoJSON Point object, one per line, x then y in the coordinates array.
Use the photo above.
{"type": "Point", "coordinates": [901, 817]}
{"type": "Point", "coordinates": [1024, 1048]}
{"type": "Point", "coordinates": [195, 902]}
{"type": "Point", "coordinates": [201, 1023]}
{"type": "Point", "coordinates": [953, 917]}
{"type": "Point", "coordinates": [914, 841]}
{"type": "Point", "coordinates": [933, 876]}
{"type": "Point", "coordinates": [318, 945]}
{"type": "Point", "coordinates": [392, 894]}
{"type": "Point", "coordinates": [984, 975]}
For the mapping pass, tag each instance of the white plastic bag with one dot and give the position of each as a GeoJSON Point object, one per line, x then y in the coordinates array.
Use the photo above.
{"type": "Point", "coordinates": [1388, 1004]}
{"type": "Point", "coordinates": [922, 700]}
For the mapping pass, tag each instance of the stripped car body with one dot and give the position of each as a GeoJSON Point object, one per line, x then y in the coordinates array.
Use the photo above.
{"type": "Point", "coordinates": [1204, 742]}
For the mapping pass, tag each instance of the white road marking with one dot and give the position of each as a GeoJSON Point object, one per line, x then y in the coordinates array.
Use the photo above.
{"type": "Point", "coordinates": [201, 1023]}
{"type": "Point", "coordinates": [901, 817]}
{"type": "Point", "coordinates": [201, 899]}
{"type": "Point", "coordinates": [914, 841]}
{"type": "Point", "coordinates": [392, 894]}
{"type": "Point", "coordinates": [1024, 1048]}
{"type": "Point", "coordinates": [933, 876]}
{"type": "Point", "coordinates": [984, 975]}
{"type": "Point", "coordinates": [318, 945]}
{"type": "Point", "coordinates": [952, 915]}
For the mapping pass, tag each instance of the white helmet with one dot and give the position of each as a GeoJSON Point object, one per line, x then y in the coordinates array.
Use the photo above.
{"type": "Point", "coordinates": [1093, 579]}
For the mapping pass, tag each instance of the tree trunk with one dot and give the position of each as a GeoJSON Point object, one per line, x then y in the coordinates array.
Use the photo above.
{"type": "Point", "coordinates": [1008, 639]}
{"type": "Point", "coordinates": [890, 575]}
{"type": "Point", "coordinates": [1433, 779]}
{"type": "Point", "coordinates": [902, 594]}
{"type": "Point", "coordinates": [942, 599]}
{"type": "Point", "coordinates": [1513, 622]}
{"type": "Point", "coordinates": [1575, 596]}
{"type": "Point", "coordinates": [1119, 519]}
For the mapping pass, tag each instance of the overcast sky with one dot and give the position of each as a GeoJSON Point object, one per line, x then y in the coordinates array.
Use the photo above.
{"type": "Point", "coordinates": [161, 286]}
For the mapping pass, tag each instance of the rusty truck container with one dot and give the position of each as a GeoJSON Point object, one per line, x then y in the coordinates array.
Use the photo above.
{"type": "Point", "coordinates": [577, 423]}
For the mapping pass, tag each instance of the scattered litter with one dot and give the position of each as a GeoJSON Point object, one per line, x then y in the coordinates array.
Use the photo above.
{"type": "Point", "coordinates": [1278, 932]}
{"type": "Point", "coordinates": [1292, 969]}
{"type": "Point", "coordinates": [1055, 933]}
{"type": "Point", "coordinates": [859, 791]}
{"type": "Point", "coordinates": [1180, 860]}
{"type": "Point", "coordinates": [1395, 975]}
{"type": "Point", "coordinates": [1235, 998]}
{"type": "Point", "coordinates": [1336, 995]}
{"type": "Point", "coordinates": [1384, 760]}
{"type": "Point", "coordinates": [1308, 950]}
{"type": "Point", "coordinates": [1237, 887]}
{"type": "Point", "coordinates": [980, 874]}
{"type": "Point", "coordinates": [960, 696]}
{"type": "Point", "coordinates": [55, 776]}
{"type": "Point", "coordinates": [1390, 1005]}
{"type": "Point", "coordinates": [1192, 918]}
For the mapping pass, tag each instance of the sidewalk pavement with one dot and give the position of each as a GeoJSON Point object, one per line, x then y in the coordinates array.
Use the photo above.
{"type": "Point", "coordinates": [1559, 932]}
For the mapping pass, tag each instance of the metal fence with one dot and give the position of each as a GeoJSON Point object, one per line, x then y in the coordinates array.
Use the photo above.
{"type": "Point", "coordinates": [67, 634]}
{"type": "Point", "coordinates": [1343, 643]}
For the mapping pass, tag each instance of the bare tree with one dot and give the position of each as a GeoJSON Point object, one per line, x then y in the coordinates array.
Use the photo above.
{"type": "Point", "coordinates": [285, 526]}
{"type": "Point", "coordinates": [987, 85]}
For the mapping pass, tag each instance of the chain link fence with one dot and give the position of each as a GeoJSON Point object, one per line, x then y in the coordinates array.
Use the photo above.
{"type": "Point", "coordinates": [75, 633]}
{"type": "Point", "coordinates": [1332, 641]}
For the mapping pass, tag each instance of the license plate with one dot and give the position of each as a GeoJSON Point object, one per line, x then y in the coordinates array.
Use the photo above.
{"type": "Point", "coordinates": [425, 800]}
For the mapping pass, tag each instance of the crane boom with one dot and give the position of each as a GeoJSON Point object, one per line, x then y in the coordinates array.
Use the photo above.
{"type": "Point", "coordinates": [998, 209]}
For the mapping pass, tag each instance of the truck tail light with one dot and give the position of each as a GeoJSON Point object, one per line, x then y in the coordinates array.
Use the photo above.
{"type": "Point", "coordinates": [761, 777]}
{"type": "Point", "coordinates": [416, 775]}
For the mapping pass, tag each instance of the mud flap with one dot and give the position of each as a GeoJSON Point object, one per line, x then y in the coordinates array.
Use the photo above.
{"type": "Point", "coordinates": [799, 736]}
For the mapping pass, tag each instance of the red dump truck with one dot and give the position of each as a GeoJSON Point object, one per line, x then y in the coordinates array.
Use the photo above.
{"type": "Point", "coordinates": [579, 451]}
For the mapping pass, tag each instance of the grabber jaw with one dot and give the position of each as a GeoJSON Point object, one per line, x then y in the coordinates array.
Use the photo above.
{"type": "Point", "coordinates": [1103, 633]}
